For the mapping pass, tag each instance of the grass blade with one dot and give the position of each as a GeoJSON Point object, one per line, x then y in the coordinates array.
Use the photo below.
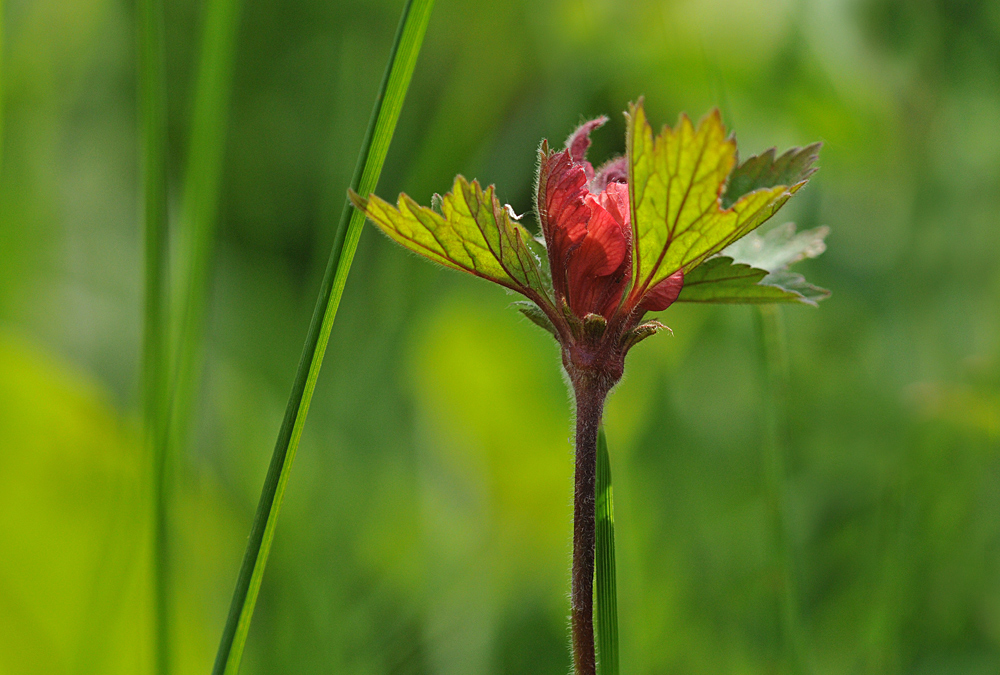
{"type": "Point", "coordinates": [388, 103]}
{"type": "Point", "coordinates": [2, 83]}
{"type": "Point", "coordinates": [775, 364]}
{"type": "Point", "coordinates": [153, 155]}
{"type": "Point", "coordinates": [199, 208]}
{"type": "Point", "coordinates": [606, 587]}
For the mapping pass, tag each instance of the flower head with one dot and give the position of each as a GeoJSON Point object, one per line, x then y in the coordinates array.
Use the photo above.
{"type": "Point", "coordinates": [586, 220]}
{"type": "Point", "coordinates": [639, 233]}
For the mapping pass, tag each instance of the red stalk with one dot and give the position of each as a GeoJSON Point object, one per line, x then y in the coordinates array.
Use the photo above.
{"type": "Point", "coordinates": [591, 390]}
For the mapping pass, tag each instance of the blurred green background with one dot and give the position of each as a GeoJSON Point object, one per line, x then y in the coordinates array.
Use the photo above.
{"type": "Point", "coordinates": [426, 527]}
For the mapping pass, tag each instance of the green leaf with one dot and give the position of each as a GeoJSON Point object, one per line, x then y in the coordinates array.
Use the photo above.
{"type": "Point", "coordinates": [796, 283]}
{"type": "Point", "coordinates": [764, 171]}
{"type": "Point", "coordinates": [606, 587]}
{"type": "Point", "coordinates": [473, 233]}
{"type": "Point", "coordinates": [779, 248]}
{"type": "Point", "coordinates": [720, 280]}
{"type": "Point", "coordinates": [676, 181]}
{"type": "Point", "coordinates": [753, 270]}
{"type": "Point", "coordinates": [388, 103]}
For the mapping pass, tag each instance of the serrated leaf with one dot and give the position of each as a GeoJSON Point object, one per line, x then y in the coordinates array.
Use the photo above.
{"type": "Point", "coordinates": [776, 250]}
{"type": "Point", "coordinates": [721, 280]}
{"type": "Point", "coordinates": [796, 283]}
{"type": "Point", "coordinates": [764, 170]}
{"type": "Point", "coordinates": [473, 233]}
{"type": "Point", "coordinates": [676, 180]}
{"type": "Point", "coordinates": [779, 248]}
{"type": "Point", "coordinates": [753, 270]}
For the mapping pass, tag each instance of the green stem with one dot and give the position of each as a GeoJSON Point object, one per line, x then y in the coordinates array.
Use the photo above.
{"type": "Point", "coordinates": [607, 591]}
{"type": "Point", "coordinates": [153, 152]}
{"type": "Point", "coordinates": [775, 364]}
{"type": "Point", "coordinates": [406, 47]}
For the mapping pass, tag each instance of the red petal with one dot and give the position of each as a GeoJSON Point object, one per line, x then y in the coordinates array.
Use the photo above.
{"type": "Point", "coordinates": [592, 265]}
{"type": "Point", "coordinates": [579, 140]}
{"type": "Point", "coordinates": [604, 247]}
{"type": "Point", "coordinates": [613, 171]}
{"type": "Point", "coordinates": [615, 200]}
{"type": "Point", "coordinates": [565, 191]}
{"type": "Point", "coordinates": [663, 294]}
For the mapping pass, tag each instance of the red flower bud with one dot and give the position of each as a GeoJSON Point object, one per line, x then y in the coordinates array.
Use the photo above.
{"type": "Point", "coordinates": [586, 222]}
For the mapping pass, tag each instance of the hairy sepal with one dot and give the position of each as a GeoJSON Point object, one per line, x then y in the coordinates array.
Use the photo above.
{"type": "Point", "coordinates": [641, 332]}
{"type": "Point", "coordinates": [536, 316]}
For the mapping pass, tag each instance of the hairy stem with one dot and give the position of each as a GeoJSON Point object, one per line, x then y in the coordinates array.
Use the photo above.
{"type": "Point", "coordinates": [590, 395]}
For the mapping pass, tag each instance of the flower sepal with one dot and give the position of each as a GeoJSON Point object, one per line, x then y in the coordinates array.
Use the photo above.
{"type": "Point", "coordinates": [535, 314]}
{"type": "Point", "coordinates": [594, 326]}
{"type": "Point", "coordinates": [641, 332]}
{"type": "Point", "coordinates": [573, 322]}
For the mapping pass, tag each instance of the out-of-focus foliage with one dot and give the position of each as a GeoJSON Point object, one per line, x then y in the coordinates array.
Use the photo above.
{"type": "Point", "coordinates": [426, 527]}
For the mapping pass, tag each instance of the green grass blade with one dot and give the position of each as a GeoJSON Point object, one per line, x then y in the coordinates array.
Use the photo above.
{"type": "Point", "coordinates": [606, 587]}
{"type": "Point", "coordinates": [2, 82]}
{"type": "Point", "coordinates": [388, 103]}
{"type": "Point", "coordinates": [153, 154]}
{"type": "Point", "coordinates": [199, 207]}
{"type": "Point", "coordinates": [775, 365]}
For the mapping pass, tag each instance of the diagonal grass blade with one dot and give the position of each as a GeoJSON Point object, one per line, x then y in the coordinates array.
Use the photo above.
{"type": "Point", "coordinates": [406, 47]}
{"type": "Point", "coordinates": [606, 587]}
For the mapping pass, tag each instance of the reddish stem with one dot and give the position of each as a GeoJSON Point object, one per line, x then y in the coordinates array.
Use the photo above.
{"type": "Point", "coordinates": [590, 396]}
